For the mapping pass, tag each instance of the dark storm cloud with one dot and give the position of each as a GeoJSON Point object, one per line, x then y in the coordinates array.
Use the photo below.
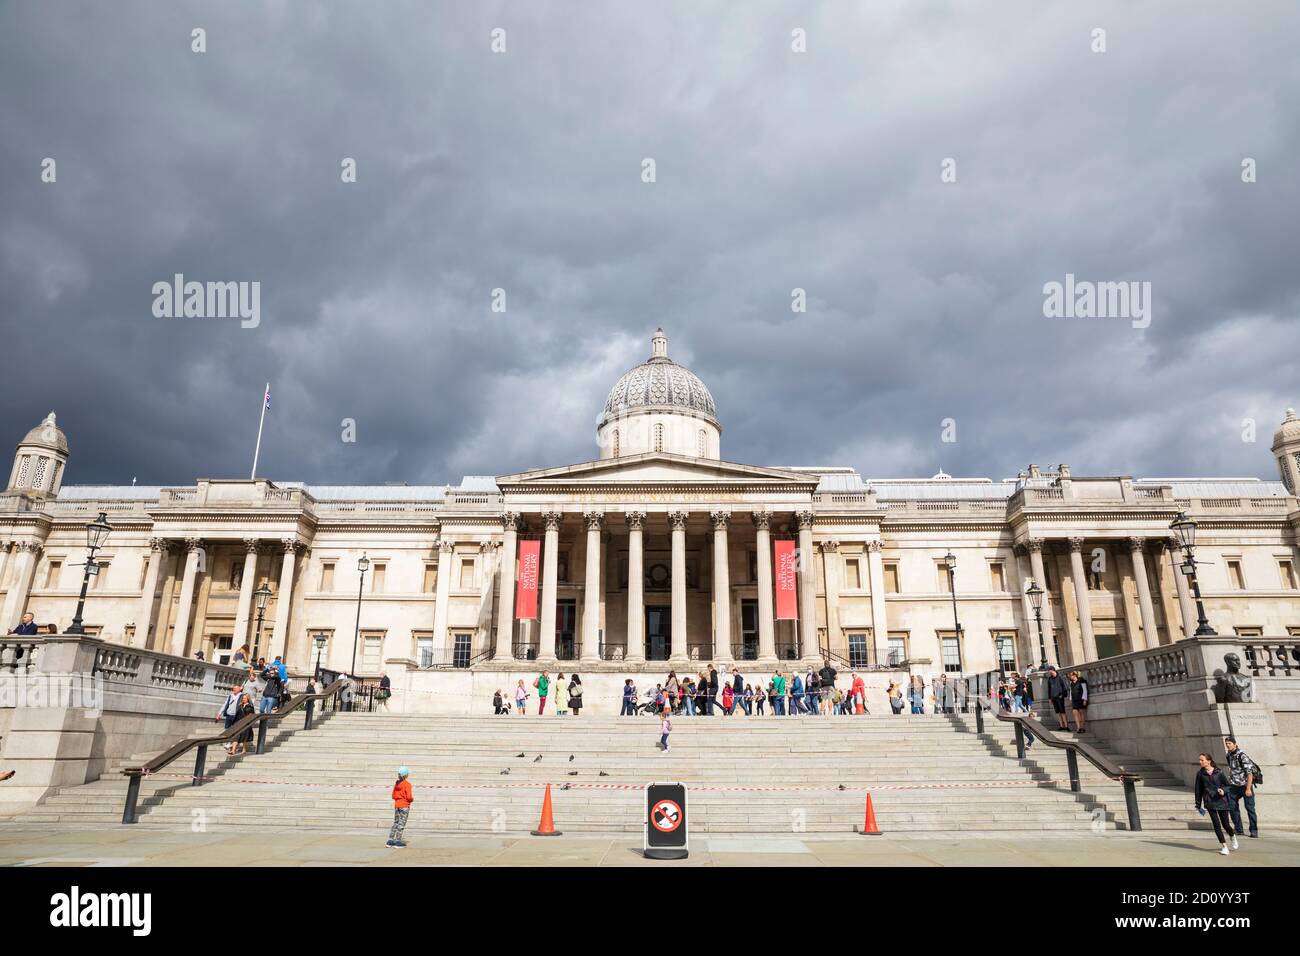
{"type": "Point", "coordinates": [521, 171]}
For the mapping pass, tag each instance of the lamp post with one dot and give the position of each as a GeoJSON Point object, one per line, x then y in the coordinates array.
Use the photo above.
{"type": "Point", "coordinates": [1036, 602]}
{"type": "Point", "coordinates": [263, 595]}
{"type": "Point", "coordinates": [96, 534]}
{"type": "Point", "coordinates": [321, 639]}
{"type": "Point", "coordinates": [951, 560]}
{"type": "Point", "coordinates": [1185, 528]}
{"type": "Point", "coordinates": [363, 565]}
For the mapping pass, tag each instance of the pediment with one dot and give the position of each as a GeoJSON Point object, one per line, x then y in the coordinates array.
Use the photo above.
{"type": "Point", "coordinates": [660, 468]}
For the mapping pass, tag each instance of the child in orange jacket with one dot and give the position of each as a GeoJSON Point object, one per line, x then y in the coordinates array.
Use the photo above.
{"type": "Point", "coordinates": [402, 800]}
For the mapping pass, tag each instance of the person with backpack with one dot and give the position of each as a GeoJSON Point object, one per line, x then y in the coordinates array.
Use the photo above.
{"type": "Point", "coordinates": [1079, 701]}
{"type": "Point", "coordinates": [1244, 776]}
{"type": "Point", "coordinates": [575, 695]}
{"type": "Point", "coordinates": [543, 684]}
{"type": "Point", "coordinates": [1058, 691]}
{"type": "Point", "coordinates": [402, 800]}
{"type": "Point", "coordinates": [271, 690]}
{"type": "Point", "coordinates": [1212, 796]}
{"type": "Point", "coordinates": [777, 694]}
{"type": "Point", "coordinates": [828, 675]}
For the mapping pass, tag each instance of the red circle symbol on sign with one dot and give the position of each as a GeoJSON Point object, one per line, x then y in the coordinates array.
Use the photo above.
{"type": "Point", "coordinates": [666, 816]}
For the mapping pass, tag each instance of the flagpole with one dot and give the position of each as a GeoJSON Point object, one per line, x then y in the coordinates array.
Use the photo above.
{"type": "Point", "coordinates": [258, 450]}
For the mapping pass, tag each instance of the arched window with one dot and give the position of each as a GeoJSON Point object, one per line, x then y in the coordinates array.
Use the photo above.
{"type": "Point", "coordinates": [701, 444]}
{"type": "Point", "coordinates": [615, 442]}
{"type": "Point", "coordinates": [659, 438]}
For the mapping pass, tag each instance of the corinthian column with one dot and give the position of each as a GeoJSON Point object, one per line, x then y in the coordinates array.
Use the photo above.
{"type": "Point", "coordinates": [246, 584]}
{"type": "Point", "coordinates": [808, 646]}
{"type": "Point", "coordinates": [591, 590]}
{"type": "Point", "coordinates": [1081, 598]}
{"type": "Point", "coordinates": [442, 598]}
{"type": "Point", "coordinates": [677, 521]}
{"type": "Point", "coordinates": [1035, 548]}
{"type": "Point", "coordinates": [1150, 637]}
{"type": "Point", "coordinates": [766, 628]}
{"type": "Point", "coordinates": [550, 570]}
{"type": "Point", "coordinates": [144, 616]}
{"type": "Point", "coordinates": [180, 632]}
{"type": "Point", "coordinates": [635, 588]}
{"type": "Point", "coordinates": [721, 587]}
{"type": "Point", "coordinates": [506, 607]}
{"type": "Point", "coordinates": [1185, 603]}
{"type": "Point", "coordinates": [284, 601]}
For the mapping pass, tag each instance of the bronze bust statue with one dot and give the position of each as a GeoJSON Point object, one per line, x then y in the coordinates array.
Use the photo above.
{"type": "Point", "coordinates": [1233, 687]}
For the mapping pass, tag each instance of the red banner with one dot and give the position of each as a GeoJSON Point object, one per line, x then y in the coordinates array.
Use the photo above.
{"type": "Point", "coordinates": [784, 574]}
{"type": "Point", "coordinates": [530, 560]}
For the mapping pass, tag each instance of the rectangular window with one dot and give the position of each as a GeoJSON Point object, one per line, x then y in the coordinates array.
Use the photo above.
{"type": "Point", "coordinates": [430, 579]}
{"type": "Point", "coordinates": [1236, 580]}
{"type": "Point", "coordinates": [466, 574]}
{"type": "Point", "coordinates": [1005, 644]}
{"type": "Point", "coordinates": [896, 648]}
{"type": "Point", "coordinates": [424, 650]}
{"type": "Point", "coordinates": [951, 649]}
{"type": "Point", "coordinates": [891, 578]}
{"type": "Point", "coordinates": [997, 576]}
{"type": "Point", "coordinates": [852, 574]}
{"type": "Point", "coordinates": [941, 572]}
{"type": "Point", "coordinates": [327, 576]}
{"type": "Point", "coordinates": [1248, 631]}
{"type": "Point", "coordinates": [1286, 571]}
{"type": "Point", "coordinates": [52, 574]}
{"type": "Point", "coordinates": [859, 653]}
{"type": "Point", "coordinates": [460, 649]}
{"type": "Point", "coordinates": [378, 577]}
{"type": "Point", "coordinates": [101, 573]}
{"type": "Point", "coordinates": [372, 652]}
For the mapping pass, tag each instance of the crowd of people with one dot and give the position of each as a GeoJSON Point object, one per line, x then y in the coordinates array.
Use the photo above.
{"type": "Point", "coordinates": [265, 690]}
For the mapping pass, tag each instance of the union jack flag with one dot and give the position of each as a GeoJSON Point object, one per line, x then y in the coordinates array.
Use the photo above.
{"type": "Point", "coordinates": [267, 398]}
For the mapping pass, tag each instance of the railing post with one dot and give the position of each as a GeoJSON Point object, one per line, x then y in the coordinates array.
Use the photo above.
{"type": "Point", "coordinates": [261, 736]}
{"type": "Point", "coordinates": [1131, 801]}
{"type": "Point", "coordinates": [199, 765]}
{"type": "Point", "coordinates": [1020, 741]}
{"type": "Point", "coordinates": [1072, 759]}
{"type": "Point", "coordinates": [310, 705]}
{"type": "Point", "coordinates": [132, 798]}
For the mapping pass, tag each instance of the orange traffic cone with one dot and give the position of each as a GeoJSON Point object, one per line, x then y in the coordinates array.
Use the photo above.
{"type": "Point", "coordinates": [547, 825]}
{"type": "Point", "coordinates": [869, 827]}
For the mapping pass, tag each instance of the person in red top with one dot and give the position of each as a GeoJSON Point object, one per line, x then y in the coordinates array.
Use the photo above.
{"type": "Point", "coordinates": [402, 800]}
{"type": "Point", "coordinates": [859, 692]}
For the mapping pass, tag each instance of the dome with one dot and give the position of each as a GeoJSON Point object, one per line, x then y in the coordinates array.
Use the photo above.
{"type": "Point", "coordinates": [659, 383]}
{"type": "Point", "coordinates": [47, 435]}
{"type": "Point", "coordinates": [1289, 430]}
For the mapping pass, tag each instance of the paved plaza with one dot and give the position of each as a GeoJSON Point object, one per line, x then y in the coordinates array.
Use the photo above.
{"type": "Point", "coordinates": [25, 845]}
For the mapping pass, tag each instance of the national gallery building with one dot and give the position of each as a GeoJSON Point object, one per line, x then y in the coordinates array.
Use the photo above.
{"type": "Point", "coordinates": [657, 553]}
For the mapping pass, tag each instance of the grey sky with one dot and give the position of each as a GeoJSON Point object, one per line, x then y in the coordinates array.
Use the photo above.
{"type": "Point", "coordinates": [776, 170]}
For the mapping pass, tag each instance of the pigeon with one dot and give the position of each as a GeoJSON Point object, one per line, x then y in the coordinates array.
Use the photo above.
{"type": "Point", "coordinates": [570, 758]}
{"type": "Point", "coordinates": [842, 787]}
{"type": "Point", "coordinates": [603, 774]}
{"type": "Point", "coordinates": [573, 773]}
{"type": "Point", "coordinates": [566, 786]}
{"type": "Point", "coordinates": [539, 759]}
{"type": "Point", "coordinates": [504, 772]}
{"type": "Point", "coordinates": [519, 755]}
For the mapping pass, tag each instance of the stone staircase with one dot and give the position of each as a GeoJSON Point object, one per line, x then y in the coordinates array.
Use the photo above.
{"type": "Point", "coordinates": [772, 775]}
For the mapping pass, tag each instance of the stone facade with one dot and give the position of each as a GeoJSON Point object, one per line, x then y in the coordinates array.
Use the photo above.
{"type": "Point", "coordinates": [656, 552]}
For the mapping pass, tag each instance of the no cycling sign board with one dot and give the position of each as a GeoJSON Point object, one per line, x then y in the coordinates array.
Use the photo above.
{"type": "Point", "coordinates": [665, 822]}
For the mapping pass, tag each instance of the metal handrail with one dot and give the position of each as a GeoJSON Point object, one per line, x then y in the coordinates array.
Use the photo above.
{"type": "Point", "coordinates": [1024, 723]}
{"type": "Point", "coordinates": [182, 747]}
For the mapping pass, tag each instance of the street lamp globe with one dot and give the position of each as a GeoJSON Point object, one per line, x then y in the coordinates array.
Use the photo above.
{"type": "Point", "coordinates": [1185, 528]}
{"type": "Point", "coordinates": [263, 595]}
{"type": "Point", "coordinates": [97, 532]}
{"type": "Point", "coordinates": [1035, 596]}
{"type": "Point", "coordinates": [363, 564]}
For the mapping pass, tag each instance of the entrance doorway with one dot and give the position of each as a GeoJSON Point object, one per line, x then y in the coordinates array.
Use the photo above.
{"type": "Point", "coordinates": [566, 617]}
{"type": "Point", "coordinates": [658, 632]}
{"type": "Point", "coordinates": [748, 630]}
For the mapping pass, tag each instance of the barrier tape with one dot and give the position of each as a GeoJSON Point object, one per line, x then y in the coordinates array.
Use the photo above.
{"type": "Point", "coordinates": [537, 785]}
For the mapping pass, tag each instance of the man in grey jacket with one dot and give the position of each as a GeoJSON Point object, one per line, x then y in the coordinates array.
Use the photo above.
{"type": "Point", "coordinates": [1058, 690]}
